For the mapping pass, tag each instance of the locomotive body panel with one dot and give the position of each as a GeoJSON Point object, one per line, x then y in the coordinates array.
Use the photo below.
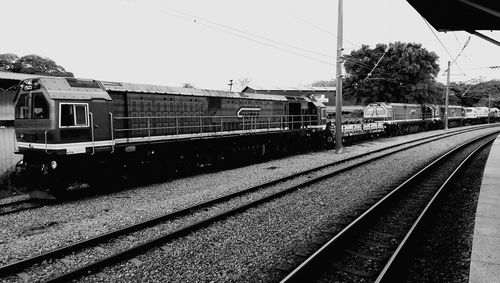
{"type": "Point", "coordinates": [481, 112]}
{"type": "Point", "coordinates": [470, 113]}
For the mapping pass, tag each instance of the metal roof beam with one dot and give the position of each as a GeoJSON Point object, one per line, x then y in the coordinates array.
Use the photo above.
{"type": "Point", "coordinates": [481, 7]}
{"type": "Point", "coordinates": [494, 41]}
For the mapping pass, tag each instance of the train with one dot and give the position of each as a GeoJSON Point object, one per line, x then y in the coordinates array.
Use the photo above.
{"type": "Point", "coordinates": [72, 131]}
{"type": "Point", "coordinates": [404, 118]}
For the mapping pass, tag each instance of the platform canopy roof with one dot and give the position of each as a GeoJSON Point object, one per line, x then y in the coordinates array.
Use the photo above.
{"type": "Point", "coordinates": [460, 15]}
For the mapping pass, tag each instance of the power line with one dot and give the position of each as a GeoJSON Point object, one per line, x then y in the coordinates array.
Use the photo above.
{"type": "Point", "coordinates": [270, 42]}
{"type": "Point", "coordinates": [378, 62]}
{"type": "Point", "coordinates": [460, 53]}
{"type": "Point", "coordinates": [356, 45]}
{"type": "Point", "coordinates": [456, 38]}
{"type": "Point", "coordinates": [236, 32]}
{"type": "Point", "coordinates": [252, 34]}
{"type": "Point", "coordinates": [248, 38]}
{"type": "Point", "coordinates": [446, 49]}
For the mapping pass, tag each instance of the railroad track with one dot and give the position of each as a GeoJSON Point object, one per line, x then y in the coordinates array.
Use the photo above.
{"type": "Point", "coordinates": [20, 205]}
{"type": "Point", "coordinates": [309, 177]}
{"type": "Point", "coordinates": [373, 246]}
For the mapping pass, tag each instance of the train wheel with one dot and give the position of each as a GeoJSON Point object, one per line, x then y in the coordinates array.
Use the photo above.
{"type": "Point", "coordinates": [330, 141]}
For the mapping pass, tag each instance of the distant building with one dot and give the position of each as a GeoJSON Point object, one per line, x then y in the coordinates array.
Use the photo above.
{"type": "Point", "coordinates": [8, 88]}
{"type": "Point", "coordinates": [325, 95]}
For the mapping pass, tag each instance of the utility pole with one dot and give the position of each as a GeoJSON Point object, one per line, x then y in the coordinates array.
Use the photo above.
{"type": "Point", "coordinates": [230, 84]}
{"type": "Point", "coordinates": [446, 99]}
{"type": "Point", "coordinates": [338, 92]}
{"type": "Point", "coordinates": [489, 106]}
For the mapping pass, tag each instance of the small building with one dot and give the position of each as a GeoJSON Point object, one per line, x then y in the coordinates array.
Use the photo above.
{"type": "Point", "coordinates": [8, 88]}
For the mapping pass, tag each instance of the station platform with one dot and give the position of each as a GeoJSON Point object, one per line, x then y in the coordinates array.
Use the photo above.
{"type": "Point", "coordinates": [485, 258]}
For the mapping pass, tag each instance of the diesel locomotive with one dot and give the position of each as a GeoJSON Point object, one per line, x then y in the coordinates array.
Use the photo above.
{"type": "Point", "coordinates": [71, 130]}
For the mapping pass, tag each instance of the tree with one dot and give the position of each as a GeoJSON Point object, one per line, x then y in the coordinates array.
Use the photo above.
{"type": "Point", "coordinates": [7, 61]}
{"type": "Point", "coordinates": [406, 73]}
{"type": "Point", "coordinates": [477, 94]}
{"type": "Point", "coordinates": [32, 64]}
{"type": "Point", "coordinates": [188, 85]}
{"type": "Point", "coordinates": [241, 83]}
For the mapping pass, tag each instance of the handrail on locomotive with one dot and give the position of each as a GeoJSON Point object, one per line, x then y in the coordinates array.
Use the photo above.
{"type": "Point", "coordinates": [177, 124]}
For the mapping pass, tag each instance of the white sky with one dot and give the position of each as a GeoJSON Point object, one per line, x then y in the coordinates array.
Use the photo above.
{"type": "Point", "coordinates": [156, 42]}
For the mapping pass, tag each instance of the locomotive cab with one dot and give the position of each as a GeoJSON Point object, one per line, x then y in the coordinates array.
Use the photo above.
{"type": "Point", "coordinates": [378, 112]}
{"type": "Point", "coordinates": [57, 121]}
{"type": "Point", "coordinates": [54, 112]}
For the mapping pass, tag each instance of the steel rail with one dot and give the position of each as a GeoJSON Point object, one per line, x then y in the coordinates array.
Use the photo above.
{"type": "Point", "coordinates": [302, 272]}
{"type": "Point", "coordinates": [24, 263]}
{"type": "Point", "coordinates": [21, 264]}
{"type": "Point", "coordinates": [389, 272]}
{"type": "Point", "coordinates": [140, 248]}
{"type": "Point", "coordinates": [5, 211]}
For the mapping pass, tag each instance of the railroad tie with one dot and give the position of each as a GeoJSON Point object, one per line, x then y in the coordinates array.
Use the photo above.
{"type": "Point", "coordinates": [353, 271]}
{"type": "Point", "coordinates": [135, 261]}
{"type": "Point", "coordinates": [365, 256]}
{"type": "Point", "coordinates": [24, 276]}
{"type": "Point", "coordinates": [284, 267]}
{"type": "Point", "coordinates": [100, 249]}
{"type": "Point", "coordinates": [387, 235]}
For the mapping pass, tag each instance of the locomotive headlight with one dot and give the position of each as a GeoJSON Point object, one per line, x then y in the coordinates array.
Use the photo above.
{"type": "Point", "coordinates": [53, 164]}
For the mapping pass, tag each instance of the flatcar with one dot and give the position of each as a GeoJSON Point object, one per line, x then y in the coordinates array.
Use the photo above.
{"type": "Point", "coordinates": [71, 130]}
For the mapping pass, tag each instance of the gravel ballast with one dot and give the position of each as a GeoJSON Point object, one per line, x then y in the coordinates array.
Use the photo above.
{"type": "Point", "coordinates": [235, 249]}
{"type": "Point", "coordinates": [248, 247]}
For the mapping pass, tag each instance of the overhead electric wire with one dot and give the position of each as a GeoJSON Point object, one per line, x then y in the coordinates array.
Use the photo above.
{"type": "Point", "coordinates": [446, 49]}
{"type": "Point", "coordinates": [378, 62]}
{"type": "Point", "coordinates": [243, 34]}
{"type": "Point", "coordinates": [252, 39]}
{"type": "Point", "coordinates": [252, 34]}
{"type": "Point", "coordinates": [432, 30]}
{"type": "Point", "coordinates": [275, 43]}
{"type": "Point", "coordinates": [460, 53]}
{"type": "Point", "coordinates": [456, 38]}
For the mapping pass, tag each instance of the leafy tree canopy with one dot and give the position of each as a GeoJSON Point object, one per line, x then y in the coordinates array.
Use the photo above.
{"type": "Point", "coordinates": [477, 94]}
{"type": "Point", "coordinates": [241, 83]}
{"type": "Point", "coordinates": [32, 64]}
{"type": "Point", "coordinates": [406, 73]}
{"type": "Point", "coordinates": [7, 61]}
{"type": "Point", "coordinates": [188, 85]}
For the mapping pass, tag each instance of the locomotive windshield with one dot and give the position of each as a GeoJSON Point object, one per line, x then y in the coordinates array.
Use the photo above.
{"type": "Point", "coordinates": [32, 106]}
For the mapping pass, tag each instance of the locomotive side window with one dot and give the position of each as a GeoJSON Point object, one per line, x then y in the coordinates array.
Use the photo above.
{"type": "Point", "coordinates": [73, 115]}
{"type": "Point", "coordinates": [40, 107]}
